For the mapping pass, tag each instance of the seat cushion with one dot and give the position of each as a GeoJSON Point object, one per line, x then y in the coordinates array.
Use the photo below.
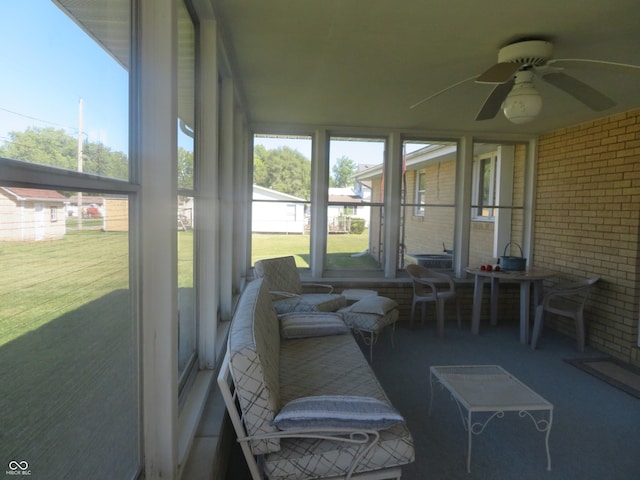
{"type": "Point", "coordinates": [308, 367]}
{"type": "Point", "coordinates": [314, 324]}
{"type": "Point", "coordinates": [369, 322]}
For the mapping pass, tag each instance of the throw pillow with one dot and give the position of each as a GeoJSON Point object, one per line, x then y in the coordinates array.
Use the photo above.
{"type": "Point", "coordinates": [344, 412]}
{"type": "Point", "coordinates": [376, 305]}
{"type": "Point", "coordinates": [303, 325]}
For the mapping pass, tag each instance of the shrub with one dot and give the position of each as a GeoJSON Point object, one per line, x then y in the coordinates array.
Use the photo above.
{"type": "Point", "coordinates": [357, 226]}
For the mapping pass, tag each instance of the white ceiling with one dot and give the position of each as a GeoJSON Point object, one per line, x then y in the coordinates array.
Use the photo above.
{"type": "Point", "coordinates": [365, 62]}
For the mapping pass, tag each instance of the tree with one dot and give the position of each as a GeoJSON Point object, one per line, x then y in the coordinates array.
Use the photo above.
{"type": "Point", "coordinates": [54, 147]}
{"type": "Point", "coordinates": [283, 169]}
{"type": "Point", "coordinates": [343, 172]}
{"type": "Point", "coordinates": [185, 169]}
{"type": "Point", "coordinates": [44, 146]}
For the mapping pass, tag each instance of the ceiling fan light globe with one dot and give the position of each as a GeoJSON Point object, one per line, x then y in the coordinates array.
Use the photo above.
{"type": "Point", "coordinates": [523, 103]}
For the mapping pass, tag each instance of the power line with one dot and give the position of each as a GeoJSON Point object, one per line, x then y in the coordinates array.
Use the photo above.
{"type": "Point", "coordinates": [39, 119]}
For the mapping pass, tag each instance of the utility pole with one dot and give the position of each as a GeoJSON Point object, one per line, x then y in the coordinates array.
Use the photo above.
{"type": "Point", "coordinates": [80, 120]}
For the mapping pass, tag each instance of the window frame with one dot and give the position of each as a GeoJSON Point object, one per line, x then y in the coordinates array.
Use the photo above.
{"type": "Point", "coordinates": [420, 195]}
{"type": "Point", "coordinates": [478, 193]}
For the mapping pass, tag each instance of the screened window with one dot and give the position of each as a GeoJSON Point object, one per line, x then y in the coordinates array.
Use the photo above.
{"type": "Point", "coordinates": [281, 205]}
{"type": "Point", "coordinates": [485, 186]}
{"type": "Point", "coordinates": [187, 201]}
{"type": "Point", "coordinates": [70, 397]}
{"type": "Point", "coordinates": [428, 204]}
{"type": "Point", "coordinates": [355, 238]}
{"type": "Point", "coordinates": [497, 215]}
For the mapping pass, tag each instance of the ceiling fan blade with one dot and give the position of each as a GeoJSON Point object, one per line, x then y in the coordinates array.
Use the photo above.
{"type": "Point", "coordinates": [494, 101]}
{"type": "Point", "coordinates": [582, 92]}
{"type": "Point", "coordinates": [499, 73]}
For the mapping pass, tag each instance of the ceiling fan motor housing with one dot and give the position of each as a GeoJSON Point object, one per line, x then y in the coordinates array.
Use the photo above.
{"type": "Point", "coordinates": [528, 52]}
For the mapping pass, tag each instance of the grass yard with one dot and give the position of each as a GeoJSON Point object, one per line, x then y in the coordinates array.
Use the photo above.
{"type": "Point", "coordinates": [44, 280]}
{"type": "Point", "coordinates": [341, 248]}
{"type": "Point", "coordinates": [68, 355]}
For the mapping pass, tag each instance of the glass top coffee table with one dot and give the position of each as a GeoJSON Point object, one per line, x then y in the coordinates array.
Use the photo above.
{"type": "Point", "coordinates": [492, 391]}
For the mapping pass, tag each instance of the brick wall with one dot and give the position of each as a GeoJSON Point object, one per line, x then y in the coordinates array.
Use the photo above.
{"type": "Point", "coordinates": [587, 224]}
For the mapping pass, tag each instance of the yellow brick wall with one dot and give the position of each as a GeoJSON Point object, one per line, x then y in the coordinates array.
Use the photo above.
{"type": "Point", "coordinates": [587, 223]}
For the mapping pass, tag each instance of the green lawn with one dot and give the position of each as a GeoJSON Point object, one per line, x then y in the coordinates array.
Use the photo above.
{"type": "Point", "coordinates": [42, 281]}
{"type": "Point", "coordinates": [68, 351]}
{"type": "Point", "coordinates": [341, 249]}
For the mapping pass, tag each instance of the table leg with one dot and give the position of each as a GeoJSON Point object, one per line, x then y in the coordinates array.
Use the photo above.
{"type": "Point", "coordinates": [495, 291]}
{"type": "Point", "coordinates": [546, 440]}
{"type": "Point", "coordinates": [477, 304]}
{"type": "Point", "coordinates": [525, 288]}
{"type": "Point", "coordinates": [470, 433]}
{"type": "Point", "coordinates": [431, 385]}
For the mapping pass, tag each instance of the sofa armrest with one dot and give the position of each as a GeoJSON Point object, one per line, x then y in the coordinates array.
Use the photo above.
{"type": "Point", "coordinates": [368, 438]}
{"type": "Point", "coordinates": [328, 288]}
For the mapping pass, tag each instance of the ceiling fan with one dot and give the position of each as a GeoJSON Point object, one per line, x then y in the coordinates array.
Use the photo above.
{"type": "Point", "coordinates": [513, 75]}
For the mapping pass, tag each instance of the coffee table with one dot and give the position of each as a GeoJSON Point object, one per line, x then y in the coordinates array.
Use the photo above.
{"type": "Point", "coordinates": [490, 390]}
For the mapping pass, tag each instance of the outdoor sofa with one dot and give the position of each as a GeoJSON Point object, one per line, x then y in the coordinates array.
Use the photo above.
{"type": "Point", "coordinates": [303, 400]}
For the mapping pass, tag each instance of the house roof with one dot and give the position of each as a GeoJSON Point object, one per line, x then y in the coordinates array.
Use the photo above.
{"type": "Point", "coordinates": [33, 194]}
{"type": "Point", "coordinates": [87, 199]}
{"type": "Point", "coordinates": [345, 199]}
{"type": "Point", "coordinates": [273, 194]}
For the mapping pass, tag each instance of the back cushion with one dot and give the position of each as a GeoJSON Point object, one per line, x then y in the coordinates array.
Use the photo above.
{"type": "Point", "coordinates": [281, 274]}
{"type": "Point", "coordinates": [254, 352]}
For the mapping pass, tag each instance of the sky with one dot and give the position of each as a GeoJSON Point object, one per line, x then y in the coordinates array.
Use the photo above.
{"type": "Point", "coordinates": [49, 64]}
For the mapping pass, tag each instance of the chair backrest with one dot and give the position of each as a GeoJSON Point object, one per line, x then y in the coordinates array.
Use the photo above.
{"type": "Point", "coordinates": [425, 279]}
{"type": "Point", "coordinates": [415, 272]}
{"type": "Point", "coordinates": [280, 274]}
{"type": "Point", "coordinates": [575, 293]}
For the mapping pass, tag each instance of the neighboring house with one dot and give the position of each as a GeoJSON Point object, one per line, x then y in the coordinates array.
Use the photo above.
{"type": "Point", "coordinates": [345, 203]}
{"type": "Point", "coordinates": [116, 213]}
{"type": "Point", "coordinates": [31, 214]}
{"type": "Point", "coordinates": [185, 213]}
{"type": "Point", "coordinates": [277, 217]}
{"type": "Point", "coordinates": [428, 222]}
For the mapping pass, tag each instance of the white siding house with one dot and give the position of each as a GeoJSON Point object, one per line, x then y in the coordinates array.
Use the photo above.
{"type": "Point", "coordinates": [349, 202]}
{"type": "Point", "coordinates": [31, 214]}
{"type": "Point", "coordinates": [272, 213]}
